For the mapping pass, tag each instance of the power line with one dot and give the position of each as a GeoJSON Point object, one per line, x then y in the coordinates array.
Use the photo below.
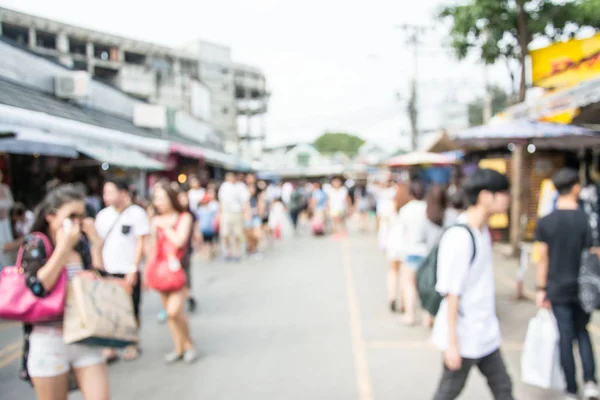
{"type": "Point", "coordinates": [413, 34]}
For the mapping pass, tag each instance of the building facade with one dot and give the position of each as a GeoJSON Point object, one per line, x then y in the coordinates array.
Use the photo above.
{"type": "Point", "coordinates": [199, 79]}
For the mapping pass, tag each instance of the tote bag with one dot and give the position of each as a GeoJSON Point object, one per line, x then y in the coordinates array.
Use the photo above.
{"type": "Point", "coordinates": [164, 272]}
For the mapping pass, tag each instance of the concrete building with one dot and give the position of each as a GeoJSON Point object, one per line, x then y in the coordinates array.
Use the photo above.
{"type": "Point", "coordinates": [300, 160]}
{"type": "Point", "coordinates": [200, 78]}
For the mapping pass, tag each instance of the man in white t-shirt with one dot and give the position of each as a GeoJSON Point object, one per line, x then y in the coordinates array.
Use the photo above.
{"type": "Point", "coordinates": [124, 227]}
{"type": "Point", "coordinates": [286, 192]}
{"type": "Point", "coordinates": [233, 198]}
{"type": "Point", "coordinates": [466, 327]}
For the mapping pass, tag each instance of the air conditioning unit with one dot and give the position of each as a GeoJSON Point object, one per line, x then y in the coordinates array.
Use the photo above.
{"type": "Point", "coordinates": [74, 85]}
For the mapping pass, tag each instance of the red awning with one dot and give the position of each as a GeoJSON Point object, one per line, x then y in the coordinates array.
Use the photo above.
{"type": "Point", "coordinates": [187, 151]}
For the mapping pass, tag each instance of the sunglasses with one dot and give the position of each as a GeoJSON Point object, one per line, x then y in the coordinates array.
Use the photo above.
{"type": "Point", "coordinates": [75, 216]}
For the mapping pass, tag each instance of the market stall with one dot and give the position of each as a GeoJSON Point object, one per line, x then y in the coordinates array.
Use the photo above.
{"type": "Point", "coordinates": [543, 147]}
{"type": "Point", "coordinates": [431, 168]}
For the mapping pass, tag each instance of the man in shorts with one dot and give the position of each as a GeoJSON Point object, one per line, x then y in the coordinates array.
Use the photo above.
{"type": "Point", "coordinates": [234, 201]}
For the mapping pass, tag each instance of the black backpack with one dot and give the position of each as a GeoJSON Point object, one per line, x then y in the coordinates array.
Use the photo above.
{"type": "Point", "coordinates": [427, 275]}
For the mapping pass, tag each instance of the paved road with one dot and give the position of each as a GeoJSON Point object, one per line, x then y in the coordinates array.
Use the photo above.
{"type": "Point", "coordinates": [308, 322]}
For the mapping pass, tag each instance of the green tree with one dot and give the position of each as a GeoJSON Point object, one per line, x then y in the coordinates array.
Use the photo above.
{"type": "Point", "coordinates": [501, 30]}
{"type": "Point", "coordinates": [499, 103]}
{"type": "Point", "coordinates": [331, 142]}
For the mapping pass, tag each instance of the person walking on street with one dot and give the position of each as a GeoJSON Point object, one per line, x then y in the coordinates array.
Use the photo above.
{"type": "Point", "coordinates": [234, 201]}
{"type": "Point", "coordinates": [77, 248]}
{"type": "Point", "coordinates": [339, 207]}
{"type": "Point", "coordinates": [562, 236]}
{"type": "Point", "coordinates": [124, 227]}
{"type": "Point", "coordinates": [412, 219]}
{"type": "Point", "coordinates": [466, 327]}
{"type": "Point", "coordinates": [171, 228]}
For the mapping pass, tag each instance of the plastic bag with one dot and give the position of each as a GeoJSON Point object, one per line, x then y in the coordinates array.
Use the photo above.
{"type": "Point", "coordinates": [540, 362]}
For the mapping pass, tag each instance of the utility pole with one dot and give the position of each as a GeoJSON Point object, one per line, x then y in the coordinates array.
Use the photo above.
{"type": "Point", "coordinates": [414, 33]}
{"type": "Point", "coordinates": [487, 97]}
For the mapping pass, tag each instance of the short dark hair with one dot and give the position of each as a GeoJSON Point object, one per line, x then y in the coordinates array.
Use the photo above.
{"type": "Point", "coordinates": [417, 189]}
{"type": "Point", "coordinates": [457, 199]}
{"type": "Point", "coordinates": [121, 184]}
{"type": "Point", "coordinates": [565, 179]}
{"type": "Point", "coordinates": [484, 179]}
{"type": "Point", "coordinates": [437, 202]}
{"type": "Point", "coordinates": [18, 210]}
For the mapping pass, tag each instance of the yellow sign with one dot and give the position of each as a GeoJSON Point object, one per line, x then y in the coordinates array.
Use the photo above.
{"type": "Point", "coordinates": [497, 221]}
{"type": "Point", "coordinates": [566, 64]}
{"type": "Point", "coordinates": [546, 206]}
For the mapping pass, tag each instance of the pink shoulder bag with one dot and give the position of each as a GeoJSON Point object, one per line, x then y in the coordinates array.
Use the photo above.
{"type": "Point", "coordinates": [17, 300]}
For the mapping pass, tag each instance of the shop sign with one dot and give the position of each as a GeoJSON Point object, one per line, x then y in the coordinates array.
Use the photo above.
{"type": "Point", "coordinates": [565, 64]}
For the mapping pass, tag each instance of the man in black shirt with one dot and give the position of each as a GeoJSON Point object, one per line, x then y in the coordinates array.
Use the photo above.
{"type": "Point", "coordinates": [563, 235]}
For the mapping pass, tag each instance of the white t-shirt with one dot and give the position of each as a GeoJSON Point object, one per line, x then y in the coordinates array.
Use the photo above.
{"type": "Point", "coordinates": [338, 198]}
{"type": "Point", "coordinates": [385, 202]}
{"type": "Point", "coordinates": [120, 245]}
{"type": "Point", "coordinates": [286, 192]}
{"type": "Point", "coordinates": [412, 217]}
{"type": "Point", "coordinates": [233, 197]}
{"type": "Point", "coordinates": [195, 196]}
{"type": "Point", "coordinates": [478, 328]}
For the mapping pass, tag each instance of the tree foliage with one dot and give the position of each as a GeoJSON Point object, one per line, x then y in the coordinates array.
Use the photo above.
{"type": "Point", "coordinates": [499, 103]}
{"type": "Point", "coordinates": [490, 28]}
{"type": "Point", "coordinates": [331, 142]}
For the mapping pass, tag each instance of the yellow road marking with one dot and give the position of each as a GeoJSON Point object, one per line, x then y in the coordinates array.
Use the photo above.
{"type": "Point", "coordinates": [361, 365]}
{"type": "Point", "coordinates": [9, 325]}
{"type": "Point", "coordinates": [10, 347]}
{"type": "Point", "coordinates": [9, 359]}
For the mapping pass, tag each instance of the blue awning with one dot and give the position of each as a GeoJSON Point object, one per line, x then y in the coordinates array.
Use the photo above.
{"type": "Point", "coordinates": [32, 141]}
{"type": "Point", "coordinates": [541, 134]}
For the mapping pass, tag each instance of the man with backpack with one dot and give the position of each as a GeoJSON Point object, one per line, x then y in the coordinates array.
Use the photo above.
{"type": "Point", "coordinates": [466, 327]}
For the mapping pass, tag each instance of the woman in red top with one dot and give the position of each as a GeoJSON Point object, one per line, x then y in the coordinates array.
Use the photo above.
{"type": "Point", "coordinates": [171, 230]}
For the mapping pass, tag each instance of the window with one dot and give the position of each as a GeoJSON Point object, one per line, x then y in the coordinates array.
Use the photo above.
{"type": "Point", "coordinates": [225, 110]}
{"type": "Point", "coordinates": [225, 87]}
{"type": "Point", "coordinates": [303, 159]}
{"type": "Point", "coordinates": [225, 71]}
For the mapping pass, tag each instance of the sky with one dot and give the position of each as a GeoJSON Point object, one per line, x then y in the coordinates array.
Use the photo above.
{"type": "Point", "coordinates": [331, 65]}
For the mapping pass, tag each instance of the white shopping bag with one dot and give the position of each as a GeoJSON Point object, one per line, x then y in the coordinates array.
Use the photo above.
{"type": "Point", "coordinates": [540, 362]}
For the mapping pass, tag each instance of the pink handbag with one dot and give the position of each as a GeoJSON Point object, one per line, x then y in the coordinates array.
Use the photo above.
{"type": "Point", "coordinates": [17, 301]}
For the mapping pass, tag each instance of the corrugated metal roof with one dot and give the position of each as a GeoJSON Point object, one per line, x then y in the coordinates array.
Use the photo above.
{"type": "Point", "coordinates": [16, 95]}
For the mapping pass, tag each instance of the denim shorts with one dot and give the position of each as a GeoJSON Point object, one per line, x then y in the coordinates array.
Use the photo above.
{"type": "Point", "coordinates": [413, 262]}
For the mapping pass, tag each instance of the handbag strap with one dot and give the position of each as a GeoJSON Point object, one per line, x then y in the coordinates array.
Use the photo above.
{"type": "Point", "coordinates": [113, 226]}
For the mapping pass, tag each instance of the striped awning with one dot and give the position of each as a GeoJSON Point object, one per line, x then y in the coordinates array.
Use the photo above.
{"type": "Point", "coordinates": [118, 156]}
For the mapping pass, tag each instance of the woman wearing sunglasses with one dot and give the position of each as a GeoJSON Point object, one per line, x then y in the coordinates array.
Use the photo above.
{"type": "Point", "coordinates": [76, 247]}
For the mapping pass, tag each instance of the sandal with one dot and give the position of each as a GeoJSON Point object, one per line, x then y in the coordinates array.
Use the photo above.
{"type": "Point", "coordinates": [131, 353]}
